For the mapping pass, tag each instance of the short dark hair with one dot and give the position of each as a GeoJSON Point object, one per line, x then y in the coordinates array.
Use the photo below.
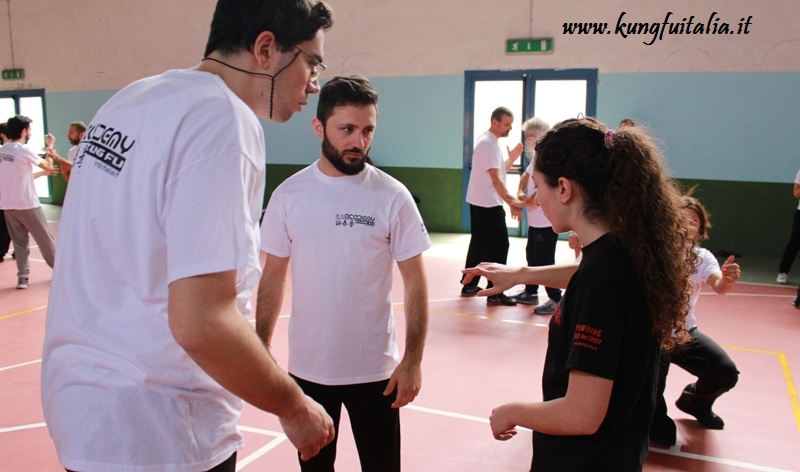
{"type": "Point", "coordinates": [16, 125]}
{"type": "Point", "coordinates": [339, 91]}
{"type": "Point", "coordinates": [237, 23]}
{"type": "Point", "coordinates": [79, 125]}
{"type": "Point", "coordinates": [500, 112]}
{"type": "Point", "coordinates": [3, 131]}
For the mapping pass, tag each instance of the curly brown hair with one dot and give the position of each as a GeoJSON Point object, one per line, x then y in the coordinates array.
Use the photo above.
{"type": "Point", "coordinates": [625, 186]}
{"type": "Point", "coordinates": [688, 202]}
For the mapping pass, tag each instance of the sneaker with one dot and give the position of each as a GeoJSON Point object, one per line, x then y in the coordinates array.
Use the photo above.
{"type": "Point", "coordinates": [526, 298]}
{"type": "Point", "coordinates": [796, 302]}
{"type": "Point", "coordinates": [547, 308]}
{"type": "Point", "coordinates": [500, 299]}
{"type": "Point", "coordinates": [783, 277]}
{"type": "Point", "coordinates": [469, 290]}
{"type": "Point", "coordinates": [22, 282]}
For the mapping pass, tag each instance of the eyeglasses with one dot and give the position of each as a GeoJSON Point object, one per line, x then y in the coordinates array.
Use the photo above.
{"type": "Point", "coordinates": [315, 72]}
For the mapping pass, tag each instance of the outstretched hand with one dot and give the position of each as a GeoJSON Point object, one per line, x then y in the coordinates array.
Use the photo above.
{"type": "Point", "coordinates": [731, 271]}
{"type": "Point", "coordinates": [502, 277]}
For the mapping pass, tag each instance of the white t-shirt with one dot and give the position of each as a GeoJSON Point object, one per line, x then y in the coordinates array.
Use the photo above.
{"type": "Point", "coordinates": [73, 151]}
{"type": "Point", "coordinates": [17, 190]}
{"type": "Point", "coordinates": [536, 218]}
{"type": "Point", "coordinates": [342, 234]}
{"type": "Point", "coordinates": [168, 184]}
{"type": "Point", "coordinates": [707, 264]}
{"type": "Point", "coordinates": [486, 155]}
{"type": "Point", "coordinates": [797, 181]}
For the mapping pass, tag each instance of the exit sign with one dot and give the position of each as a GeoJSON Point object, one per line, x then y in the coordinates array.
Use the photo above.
{"type": "Point", "coordinates": [529, 46]}
{"type": "Point", "coordinates": [11, 74]}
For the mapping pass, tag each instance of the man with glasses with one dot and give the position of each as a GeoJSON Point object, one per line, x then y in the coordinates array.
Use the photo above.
{"type": "Point", "coordinates": [343, 223]}
{"type": "Point", "coordinates": [148, 351]}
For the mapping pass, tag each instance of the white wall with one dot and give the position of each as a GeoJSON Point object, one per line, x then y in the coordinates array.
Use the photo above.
{"type": "Point", "coordinates": [68, 45]}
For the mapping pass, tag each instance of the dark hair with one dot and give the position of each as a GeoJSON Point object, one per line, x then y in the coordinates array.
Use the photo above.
{"type": "Point", "coordinates": [339, 91]}
{"type": "Point", "coordinates": [16, 125]}
{"type": "Point", "coordinates": [500, 112]}
{"type": "Point", "coordinates": [3, 131]}
{"type": "Point", "coordinates": [79, 125]}
{"type": "Point", "coordinates": [626, 122]}
{"type": "Point", "coordinates": [688, 202]}
{"type": "Point", "coordinates": [625, 185]}
{"type": "Point", "coordinates": [237, 23]}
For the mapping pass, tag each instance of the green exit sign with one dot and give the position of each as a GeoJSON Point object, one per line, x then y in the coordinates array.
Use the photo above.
{"type": "Point", "coordinates": [11, 74]}
{"type": "Point", "coordinates": [529, 46]}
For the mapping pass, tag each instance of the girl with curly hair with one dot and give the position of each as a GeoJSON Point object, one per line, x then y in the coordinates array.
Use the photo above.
{"type": "Point", "coordinates": [622, 303]}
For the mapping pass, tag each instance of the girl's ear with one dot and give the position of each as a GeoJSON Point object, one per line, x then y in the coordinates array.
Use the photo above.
{"type": "Point", "coordinates": [566, 190]}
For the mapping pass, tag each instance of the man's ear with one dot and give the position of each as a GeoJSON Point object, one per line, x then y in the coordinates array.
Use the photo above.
{"type": "Point", "coordinates": [319, 130]}
{"type": "Point", "coordinates": [265, 50]}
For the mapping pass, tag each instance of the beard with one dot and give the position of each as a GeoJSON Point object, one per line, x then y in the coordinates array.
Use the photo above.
{"type": "Point", "coordinates": [74, 142]}
{"type": "Point", "coordinates": [336, 158]}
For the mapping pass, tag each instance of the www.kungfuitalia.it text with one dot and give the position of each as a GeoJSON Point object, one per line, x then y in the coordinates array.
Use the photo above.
{"type": "Point", "coordinates": [655, 31]}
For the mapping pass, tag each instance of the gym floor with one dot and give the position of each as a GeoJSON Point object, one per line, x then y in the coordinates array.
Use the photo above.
{"type": "Point", "coordinates": [476, 357]}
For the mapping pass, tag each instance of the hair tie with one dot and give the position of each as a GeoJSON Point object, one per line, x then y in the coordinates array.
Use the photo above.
{"type": "Point", "coordinates": [609, 139]}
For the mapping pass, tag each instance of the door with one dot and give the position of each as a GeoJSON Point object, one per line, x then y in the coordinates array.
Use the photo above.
{"type": "Point", "coordinates": [553, 95]}
{"type": "Point", "coordinates": [30, 103]}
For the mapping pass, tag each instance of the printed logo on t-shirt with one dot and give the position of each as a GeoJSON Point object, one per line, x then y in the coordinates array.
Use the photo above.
{"type": "Point", "coordinates": [423, 228]}
{"type": "Point", "coordinates": [588, 337]}
{"type": "Point", "coordinates": [107, 146]}
{"type": "Point", "coordinates": [6, 157]}
{"type": "Point", "coordinates": [349, 220]}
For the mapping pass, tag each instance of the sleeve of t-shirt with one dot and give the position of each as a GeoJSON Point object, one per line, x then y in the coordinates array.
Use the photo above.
{"type": "Point", "coordinates": [274, 233]}
{"type": "Point", "coordinates": [598, 329]}
{"type": "Point", "coordinates": [409, 237]}
{"type": "Point", "coordinates": [484, 157]}
{"type": "Point", "coordinates": [709, 265]}
{"type": "Point", "coordinates": [797, 178]}
{"type": "Point", "coordinates": [208, 221]}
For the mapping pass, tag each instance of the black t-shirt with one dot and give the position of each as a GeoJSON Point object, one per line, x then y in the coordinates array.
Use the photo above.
{"type": "Point", "coordinates": [602, 327]}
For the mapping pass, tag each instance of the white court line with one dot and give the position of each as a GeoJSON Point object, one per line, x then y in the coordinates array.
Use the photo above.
{"type": "Point", "coordinates": [12, 429]}
{"type": "Point", "coordinates": [279, 438]}
{"type": "Point", "coordinates": [20, 365]}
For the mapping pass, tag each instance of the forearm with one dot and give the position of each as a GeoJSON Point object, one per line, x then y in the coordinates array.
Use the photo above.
{"type": "Point", "coordinates": [268, 306]}
{"type": "Point", "coordinates": [415, 308]}
{"type": "Point", "coordinates": [556, 276]}
{"type": "Point", "coordinates": [206, 323]}
{"type": "Point", "coordinates": [501, 190]}
{"type": "Point", "coordinates": [580, 412]}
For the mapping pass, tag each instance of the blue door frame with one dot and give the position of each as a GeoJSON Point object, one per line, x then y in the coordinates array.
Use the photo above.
{"type": "Point", "coordinates": [529, 76]}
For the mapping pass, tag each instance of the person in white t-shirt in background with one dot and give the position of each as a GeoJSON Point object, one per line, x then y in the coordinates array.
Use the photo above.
{"type": "Point", "coordinates": [793, 245]}
{"type": "Point", "coordinates": [18, 199]}
{"type": "Point", "coordinates": [74, 135]}
{"type": "Point", "coordinates": [342, 224]}
{"type": "Point", "coordinates": [5, 239]}
{"type": "Point", "coordinates": [486, 193]}
{"type": "Point", "coordinates": [542, 240]}
{"type": "Point", "coordinates": [148, 352]}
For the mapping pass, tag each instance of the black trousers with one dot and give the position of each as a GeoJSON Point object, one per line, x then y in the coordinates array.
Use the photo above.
{"type": "Point", "coordinates": [704, 358]}
{"type": "Point", "coordinates": [541, 251]}
{"type": "Point", "coordinates": [228, 466]}
{"type": "Point", "coordinates": [792, 247]}
{"type": "Point", "coordinates": [375, 424]}
{"type": "Point", "coordinates": [489, 241]}
{"type": "Point", "coordinates": [5, 238]}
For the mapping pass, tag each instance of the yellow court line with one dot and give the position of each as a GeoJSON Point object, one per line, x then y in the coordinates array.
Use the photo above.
{"type": "Point", "coordinates": [22, 312]}
{"type": "Point", "coordinates": [787, 376]}
{"type": "Point", "coordinates": [483, 317]}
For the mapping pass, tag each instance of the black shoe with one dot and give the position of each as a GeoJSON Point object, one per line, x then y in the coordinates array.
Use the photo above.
{"type": "Point", "coordinates": [500, 300]}
{"type": "Point", "coordinates": [470, 290]}
{"type": "Point", "coordinates": [526, 298]}
{"type": "Point", "coordinates": [687, 404]}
